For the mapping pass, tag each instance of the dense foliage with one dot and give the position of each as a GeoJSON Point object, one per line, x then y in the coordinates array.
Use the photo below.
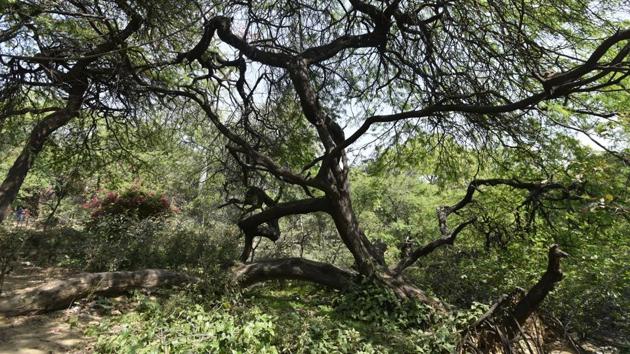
{"type": "Point", "coordinates": [418, 158]}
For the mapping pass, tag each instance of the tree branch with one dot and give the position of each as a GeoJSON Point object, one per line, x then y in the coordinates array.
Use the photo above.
{"type": "Point", "coordinates": [536, 189]}
{"type": "Point", "coordinates": [292, 268]}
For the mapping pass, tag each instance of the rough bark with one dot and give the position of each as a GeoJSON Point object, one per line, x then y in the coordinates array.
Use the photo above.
{"type": "Point", "coordinates": [60, 294]}
{"type": "Point", "coordinates": [366, 259]}
{"type": "Point", "coordinates": [293, 268]}
{"type": "Point", "coordinates": [18, 171]}
{"type": "Point", "coordinates": [535, 296]}
{"type": "Point", "coordinates": [496, 331]}
{"type": "Point", "coordinates": [265, 223]}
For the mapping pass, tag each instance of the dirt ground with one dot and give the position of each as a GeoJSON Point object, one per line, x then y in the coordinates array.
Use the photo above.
{"type": "Point", "coordinates": [57, 332]}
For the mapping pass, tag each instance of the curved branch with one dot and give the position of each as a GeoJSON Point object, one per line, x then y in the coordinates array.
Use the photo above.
{"type": "Point", "coordinates": [430, 247]}
{"type": "Point", "coordinates": [223, 25]}
{"type": "Point", "coordinates": [292, 268]}
{"type": "Point", "coordinates": [536, 189]}
{"type": "Point", "coordinates": [302, 206]}
{"type": "Point", "coordinates": [254, 225]}
{"type": "Point", "coordinates": [562, 84]}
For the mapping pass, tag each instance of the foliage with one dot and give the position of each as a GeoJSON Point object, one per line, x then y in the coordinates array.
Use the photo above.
{"type": "Point", "coordinates": [132, 203]}
{"type": "Point", "coordinates": [203, 107]}
{"type": "Point", "coordinates": [185, 327]}
{"type": "Point", "coordinates": [271, 320]}
{"type": "Point", "coordinates": [120, 242]}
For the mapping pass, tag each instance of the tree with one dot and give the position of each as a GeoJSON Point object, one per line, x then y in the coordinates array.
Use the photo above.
{"type": "Point", "coordinates": [471, 69]}
{"type": "Point", "coordinates": [60, 68]}
{"type": "Point", "coordinates": [290, 74]}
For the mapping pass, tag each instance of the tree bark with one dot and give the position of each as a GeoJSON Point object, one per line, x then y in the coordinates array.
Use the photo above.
{"type": "Point", "coordinates": [496, 330]}
{"type": "Point", "coordinates": [367, 262]}
{"type": "Point", "coordinates": [40, 133]}
{"type": "Point", "coordinates": [292, 268]}
{"type": "Point", "coordinates": [60, 294]}
{"type": "Point", "coordinates": [535, 296]}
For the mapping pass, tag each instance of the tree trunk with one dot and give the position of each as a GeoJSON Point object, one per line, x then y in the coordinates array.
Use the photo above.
{"type": "Point", "coordinates": [40, 133]}
{"type": "Point", "coordinates": [60, 294]}
{"type": "Point", "coordinates": [367, 262]}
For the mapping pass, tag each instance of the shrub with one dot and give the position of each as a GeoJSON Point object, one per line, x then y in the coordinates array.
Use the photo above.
{"type": "Point", "coordinates": [133, 202]}
{"type": "Point", "coordinates": [188, 328]}
{"type": "Point", "coordinates": [121, 242]}
{"type": "Point", "coordinates": [303, 319]}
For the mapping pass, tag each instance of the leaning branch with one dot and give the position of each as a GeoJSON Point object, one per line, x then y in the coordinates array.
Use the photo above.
{"type": "Point", "coordinates": [506, 319]}
{"type": "Point", "coordinates": [536, 190]}
{"type": "Point", "coordinates": [535, 296]}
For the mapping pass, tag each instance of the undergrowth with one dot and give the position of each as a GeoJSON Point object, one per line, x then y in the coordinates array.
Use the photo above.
{"type": "Point", "coordinates": [282, 318]}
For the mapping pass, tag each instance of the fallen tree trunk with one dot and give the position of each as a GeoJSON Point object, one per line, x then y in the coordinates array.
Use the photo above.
{"type": "Point", "coordinates": [247, 274]}
{"type": "Point", "coordinates": [60, 294]}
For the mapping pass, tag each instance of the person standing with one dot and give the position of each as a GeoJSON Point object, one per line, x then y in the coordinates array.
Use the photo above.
{"type": "Point", "coordinates": [27, 216]}
{"type": "Point", "coordinates": [19, 215]}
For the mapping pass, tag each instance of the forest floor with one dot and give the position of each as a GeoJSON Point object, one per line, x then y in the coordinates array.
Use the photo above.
{"type": "Point", "coordinates": [64, 331]}
{"type": "Point", "coordinates": [56, 332]}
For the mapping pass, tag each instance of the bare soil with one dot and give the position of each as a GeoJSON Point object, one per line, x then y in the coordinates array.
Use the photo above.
{"type": "Point", "coordinates": [57, 332]}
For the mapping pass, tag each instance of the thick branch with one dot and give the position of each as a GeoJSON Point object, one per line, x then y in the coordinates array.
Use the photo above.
{"type": "Point", "coordinates": [265, 223]}
{"type": "Point", "coordinates": [303, 206]}
{"type": "Point", "coordinates": [535, 296]}
{"type": "Point", "coordinates": [223, 25]}
{"type": "Point", "coordinates": [292, 268]}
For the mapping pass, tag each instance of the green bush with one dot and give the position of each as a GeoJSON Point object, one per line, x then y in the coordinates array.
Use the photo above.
{"type": "Point", "coordinates": [188, 328]}
{"type": "Point", "coordinates": [120, 242]}
{"type": "Point", "coordinates": [268, 319]}
{"type": "Point", "coordinates": [11, 244]}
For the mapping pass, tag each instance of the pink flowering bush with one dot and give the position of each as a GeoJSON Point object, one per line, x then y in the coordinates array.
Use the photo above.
{"type": "Point", "coordinates": [133, 202]}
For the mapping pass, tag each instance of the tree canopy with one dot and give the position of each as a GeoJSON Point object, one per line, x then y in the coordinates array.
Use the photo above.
{"type": "Point", "coordinates": [286, 102]}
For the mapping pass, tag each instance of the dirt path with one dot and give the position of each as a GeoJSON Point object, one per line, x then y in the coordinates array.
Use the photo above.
{"type": "Point", "coordinates": [58, 332]}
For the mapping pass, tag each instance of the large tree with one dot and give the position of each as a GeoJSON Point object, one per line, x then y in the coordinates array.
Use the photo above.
{"type": "Point", "coordinates": [61, 60]}
{"type": "Point", "coordinates": [486, 73]}
{"type": "Point", "coordinates": [278, 80]}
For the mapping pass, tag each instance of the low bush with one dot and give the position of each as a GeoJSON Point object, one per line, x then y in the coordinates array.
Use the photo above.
{"type": "Point", "coordinates": [272, 319]}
